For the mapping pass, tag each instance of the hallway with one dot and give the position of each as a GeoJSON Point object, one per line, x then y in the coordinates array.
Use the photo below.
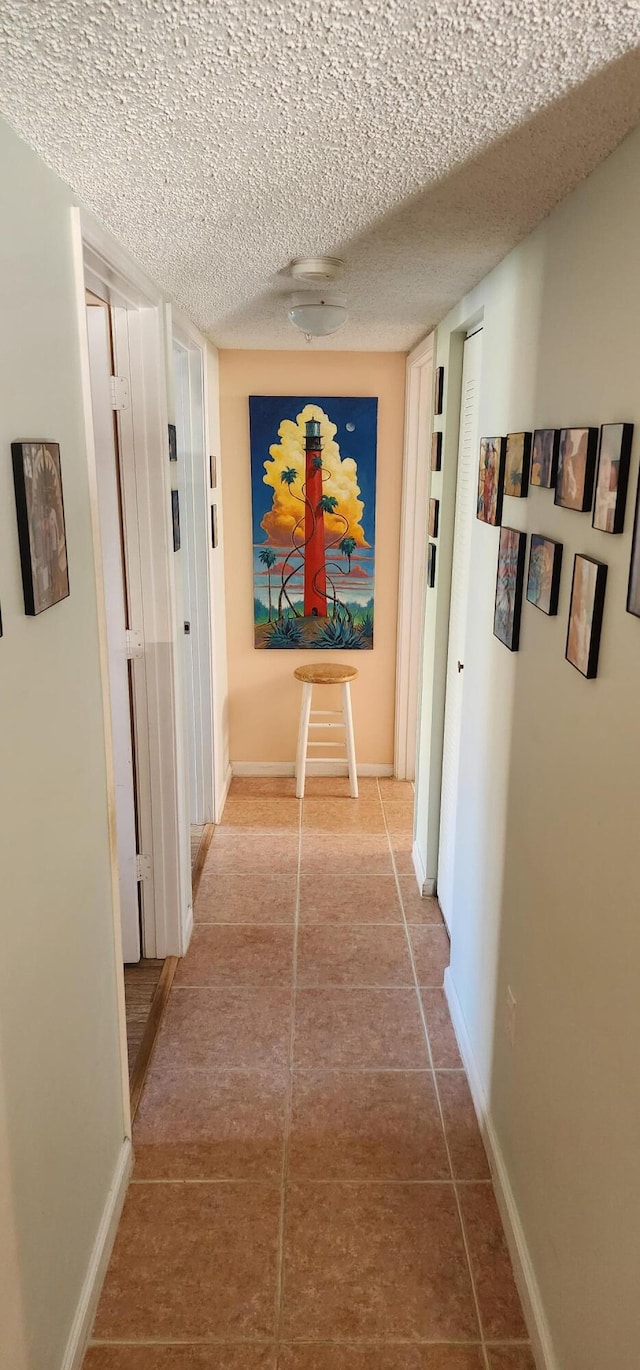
{"type": "Point", "coordinates": [310, 1189]}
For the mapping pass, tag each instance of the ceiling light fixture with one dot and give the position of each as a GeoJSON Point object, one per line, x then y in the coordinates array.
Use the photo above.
{"type": "Point", "coordinates": [318, 315]}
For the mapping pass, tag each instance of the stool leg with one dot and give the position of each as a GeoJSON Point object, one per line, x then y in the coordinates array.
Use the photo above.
{"type": "Point", "coordinates": [351, 746]}
{"type": "Point", "coordinates": [303, 736]}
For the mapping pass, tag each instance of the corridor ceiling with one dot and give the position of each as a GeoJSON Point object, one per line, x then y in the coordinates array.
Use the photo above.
{"type": "Point", "coordinates": [419, 141]}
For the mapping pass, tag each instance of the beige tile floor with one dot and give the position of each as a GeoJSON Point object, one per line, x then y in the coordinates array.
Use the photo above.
{"type": "Point", "coordinates": [311, 1190]}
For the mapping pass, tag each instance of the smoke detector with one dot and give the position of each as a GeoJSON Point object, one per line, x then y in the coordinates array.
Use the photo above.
{"type": "Point", "coordinates": [317, 270]}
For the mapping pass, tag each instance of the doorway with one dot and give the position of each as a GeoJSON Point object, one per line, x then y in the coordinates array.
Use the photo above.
{"type": "Point", "coordinates": [465, 507]}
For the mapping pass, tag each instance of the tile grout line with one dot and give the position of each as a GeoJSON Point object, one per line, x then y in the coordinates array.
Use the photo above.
{"type": "Point", "coordinates": [485, 1355]}
{"type": "Point", "coordinates": [288, 1104]}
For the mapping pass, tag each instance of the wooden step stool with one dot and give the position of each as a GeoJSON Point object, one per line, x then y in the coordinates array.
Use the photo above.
{"type": "Point", "coordinates": [327, 673]}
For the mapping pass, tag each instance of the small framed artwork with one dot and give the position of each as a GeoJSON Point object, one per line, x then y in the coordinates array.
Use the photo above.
{"type": "Point", "coordinates": [214, 525]}
{"type": "Point", "coordinates": [576, 468]}
{"type": "Point", "coordinates": [438, 398]}
{"type": "Point", "coordinates": [213, 472]}
{"type": "Point", "coordinates": [175, 519]}
{"type": "Point", "coordinates": [543, 580]}
{"type": "Point", "coordinates": [633, 591]}
{"type": "Point", "coordinates": [490, 480]}
{"type": "Point", "coordinates": [436, 451]}
{"type": "Point", "coordinates": [37, 478]}
{"type": "Point", "coordinates": [585, 614]}
{"type": "Point", "coordinates": [434, 517]}
{"type": "Point", "coordinates": [544, 457]}
{"type": "Point", "coordinates": [612, 478]}
{"type": "Point", "coordinates": [431, 565]}
{"type": "Point", "coordinates": [509, 584]}
{"type": "Point", "coordinates": [516, 465]}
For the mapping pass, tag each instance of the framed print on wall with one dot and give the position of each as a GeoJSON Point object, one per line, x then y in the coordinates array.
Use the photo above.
{"type": "Point", "coordinates": [612, 477]}
{"type": "Point", "coordinates": [543, 580]}
{"type": "Point", "coordinates": [434, 517]}
{"type": "Point", "coordinates": [509, 583]}
{"type": "Point", "coordinates": [516, 465]}
{"type": "Point", "coordinates": [576, 468]}
{"type": "Point", "coordinates": [436, 451]}
{"type": "Point", "coordinates": [585, 614]}
{"type": "Point", "coordinates": [173, 443]}
{"type": "Point", "coordinates": [438, 397]}
{"type": "Point", "coordinates": [37, 478]}
{"type": "Point", "coordinates": [431, 565]}
{"type": "Point", "coordinates": [490, 480]}
{"type": "Point", "coordinates": [175, 519]}
{"type": "Point", "coordinates": [633, 590]}
{"type": "Point", "coordinates": [544, 457]}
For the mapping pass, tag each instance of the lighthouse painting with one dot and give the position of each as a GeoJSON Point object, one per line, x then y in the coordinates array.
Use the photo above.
{"type": "Point", "coordinates": [313, 470]}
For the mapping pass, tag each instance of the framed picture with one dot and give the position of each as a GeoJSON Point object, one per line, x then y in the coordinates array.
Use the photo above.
{"type": "Point", "coordinates": [436, 451]}
{"type": "Point", "coordinates": [175, 518]}
{"type": "Point", "coordinates": [213, 472]}
{"type": "Point", "coordinates": [585, 614]}
{"type": "Point", "coordinates": [509, 583]}
{"type": "Point", "coordinates": [434, 517]}
{"type": "Point", "coordinates": [576, 468]}
{"type": "Point", "coordinates": [431, 565]}
{"type": "Point", "coordinates": [438, 398]}
{"type": "Point", "coordinates": [612, 479]}
{"type": "Point", "coordinates": [42, 537]}
{"type": "Point", "coordinates": [633, 591]}
{"type": "Point", "coordinates": [490, 480]}
{"type": "Point", "coordinates": [173, 443]}
{"type": "Point", "coordinates": [214, 525]}
{"type": "Point", "coordinates": [516, 465]}
{"type": "Point", "coordinates": [543, 580]}
{"type": "Point", "coordinates": [544, 457]}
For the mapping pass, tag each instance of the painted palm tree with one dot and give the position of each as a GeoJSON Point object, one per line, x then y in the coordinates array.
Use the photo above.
{"type": "Point", "coordinates": [288, 476]}
{"type": "Point", "coordinates": [327, 503]}
{"type": "Point", "coordinates": [268, 559]}
{"type": "Point", "coordinates": [348, 547]}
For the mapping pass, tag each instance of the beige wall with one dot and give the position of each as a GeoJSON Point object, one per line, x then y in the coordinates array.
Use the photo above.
{"type": "Point", "coordinates": [263, 697]}
{"type": "Point", "coordinates": [546, 890]}
{"type": "Point", "coordinates": [61, 1110]}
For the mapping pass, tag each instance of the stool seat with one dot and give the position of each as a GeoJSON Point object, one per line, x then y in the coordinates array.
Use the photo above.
{"type": "Point", "coordinates": [326, 673]}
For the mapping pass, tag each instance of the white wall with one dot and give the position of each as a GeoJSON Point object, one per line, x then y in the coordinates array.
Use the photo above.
{"type": "Point", "coordinates": [546, 891]}
{"type": "Point", "coordinates": [59, 1053]}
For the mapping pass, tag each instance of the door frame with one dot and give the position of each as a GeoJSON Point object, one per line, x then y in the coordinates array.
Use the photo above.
{"type": "Point", "coordinates": [193, 477]}
{"type": "Point", "coordinates": [413, 552]}
{"type": "Point", "coordinates": [138, 313]}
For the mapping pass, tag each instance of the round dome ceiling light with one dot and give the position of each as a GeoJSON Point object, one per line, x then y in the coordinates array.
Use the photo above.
{"type": "Point", "coordinates": [317, 270]}
{"type": "Point", "coordinates": [318, 315]}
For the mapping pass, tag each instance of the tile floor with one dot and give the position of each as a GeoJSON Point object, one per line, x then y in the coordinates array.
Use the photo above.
{"type": "Point", "coordinates": [311, 1190]}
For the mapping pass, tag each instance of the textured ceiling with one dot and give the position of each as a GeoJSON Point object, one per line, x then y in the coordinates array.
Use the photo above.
{"type": "Point", "coordinates": [419, 140]}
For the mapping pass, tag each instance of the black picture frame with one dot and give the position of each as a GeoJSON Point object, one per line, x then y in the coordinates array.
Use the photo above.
{"type": "Point", "coordinates": [544, 458]}
{"type": "Point", "coordinates": [436, 451]}
{"type": "Point", "coordinates": [434, 517]}
{"type": "Point", "coordinates": [491, 480]}
{"type": "Point", "coordinates": [438, 390]}
{"type": "Point", "coordinates": [173, 443]}
{"type": "Point", "coordinates": [42, 536]}
{"type": "Point", "coordinates": [213, 471]}
{"type": "Point", "coordinates": [589, 581]}
{"type": "Point", "coordinates": [633, 584]}
{"type": "Point", "coordinates": [614, 460]}
{"type": "Point", "coordinates": [577, 453]}
{"type": "Point", "coordinates": [516, 465]}
{"type": "Point", "coordinates": [214, 526]}
{"type": "Point", "coordinates": [543, 578]}
{"type": "Point", "coordinates": [507, 611]}
{"type": "Point", "coordinates": [431, 565]}
{"type": "Point", "coordinates": [175, 519]}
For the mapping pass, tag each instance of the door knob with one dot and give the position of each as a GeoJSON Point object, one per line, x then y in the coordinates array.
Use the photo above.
{"type": "Point", "coordinates": [460, 666]}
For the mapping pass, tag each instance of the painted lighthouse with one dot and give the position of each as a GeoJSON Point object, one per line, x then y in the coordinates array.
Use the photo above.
{"type": "Point", "coordinates": [315, 571]}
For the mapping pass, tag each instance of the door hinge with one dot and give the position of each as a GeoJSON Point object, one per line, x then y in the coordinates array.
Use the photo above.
{"type": "Point", "coordinates": [119, 392]}
{"type": "Point", "coordinates": [135, 644]}
{"type": "Point", "coordinates": [143, 867]}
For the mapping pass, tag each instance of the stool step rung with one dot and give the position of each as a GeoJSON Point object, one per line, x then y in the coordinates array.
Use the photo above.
{"type": "Point", "coordinates": [324, 744]}
{"type": "Point", "coordinates": [315, 713]}
{"type": "Point", "coordinates": [322, 761]}
{"type": "Point", "coordinates": [326, 725]}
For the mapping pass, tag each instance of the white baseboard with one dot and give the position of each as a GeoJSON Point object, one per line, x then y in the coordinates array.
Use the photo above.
{"type": "Point", "coordinates": [288, 768]}
{"type": "Point", "coordinates": [222, 798]}
{"type": "Point", "coordinates": [522, 1265]}
{"type": "Point", "coordinates": [98, 1262]}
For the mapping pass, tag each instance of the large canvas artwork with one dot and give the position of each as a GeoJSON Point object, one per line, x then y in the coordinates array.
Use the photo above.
{"type": "Point", "coordinates": [313, 473]}
{"type": "Point", "coordinates": [41, 529]}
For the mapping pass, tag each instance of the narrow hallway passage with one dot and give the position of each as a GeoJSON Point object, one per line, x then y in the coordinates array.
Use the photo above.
{"type": "Point", "coordinates": [310, 1189]}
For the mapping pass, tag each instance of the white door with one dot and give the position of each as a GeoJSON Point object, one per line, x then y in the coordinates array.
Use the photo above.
{"type": "Point", "coordinates": [465, 513]}
{"type": "Point", "coordinates": [111, 536]}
